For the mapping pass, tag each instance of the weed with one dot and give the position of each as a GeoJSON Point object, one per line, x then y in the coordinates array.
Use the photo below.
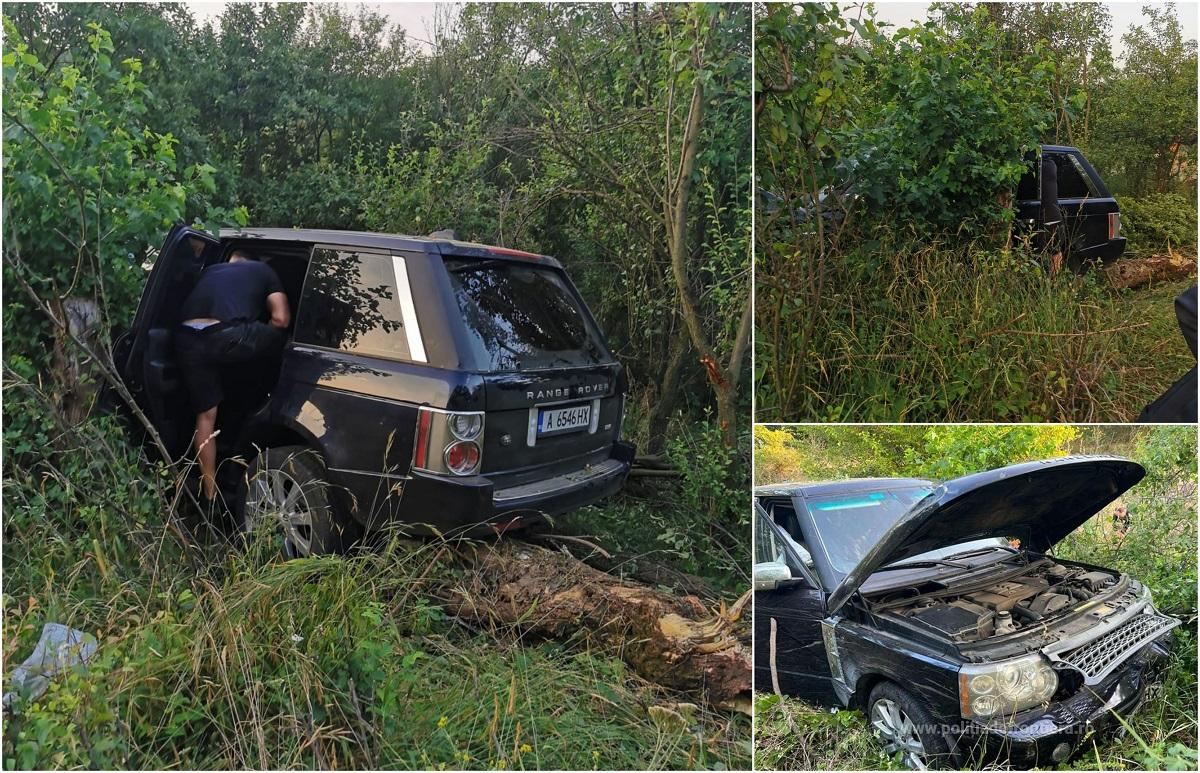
{"type": "Point", "coordinates": [215, 658]}
{"type": "Point", "coordinates": [951, 332]}
{"type": "Point", "coordinates": [1158, 222]}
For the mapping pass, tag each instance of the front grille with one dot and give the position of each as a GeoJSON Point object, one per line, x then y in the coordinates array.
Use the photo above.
{"type": "Point", "coordinates": [1097, 659]}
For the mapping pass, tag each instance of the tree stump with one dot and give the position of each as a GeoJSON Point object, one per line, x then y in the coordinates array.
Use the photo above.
{"type": "Point", "coordinates": [669, 640]}
{"type": "Point", "coordinates": [1131, 273]}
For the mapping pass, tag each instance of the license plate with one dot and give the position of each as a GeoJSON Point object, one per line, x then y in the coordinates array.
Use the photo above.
{"type": "Point", "coordinates": [569, 418]}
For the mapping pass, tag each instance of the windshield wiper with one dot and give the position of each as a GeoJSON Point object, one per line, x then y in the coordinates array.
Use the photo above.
{"type": "Point", "coordinates": [981, 551]}
{"type": "Point", "coordinates": [927, 562]}
{"type": "Point", "coordinates": [478, 265]}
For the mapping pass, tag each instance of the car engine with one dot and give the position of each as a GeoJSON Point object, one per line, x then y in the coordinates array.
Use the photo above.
{"type": "Point", "coordinates": [1004, 607]}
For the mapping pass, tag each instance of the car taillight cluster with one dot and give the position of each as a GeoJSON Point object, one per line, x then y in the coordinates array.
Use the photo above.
{"type": "Point", "coordinates": [1114, 225]}
{"type": "Point", "coordinates": [448, 442]}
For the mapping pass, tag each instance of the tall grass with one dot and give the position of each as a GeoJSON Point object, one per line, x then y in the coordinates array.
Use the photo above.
{"type": "Point", "coordinates": [218, 657]}
{"type": "Point", "coordinates": [901, 331]}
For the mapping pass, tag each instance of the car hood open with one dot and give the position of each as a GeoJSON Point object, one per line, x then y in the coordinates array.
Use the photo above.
{"type": "Point", "coordinates": [1044, 501]}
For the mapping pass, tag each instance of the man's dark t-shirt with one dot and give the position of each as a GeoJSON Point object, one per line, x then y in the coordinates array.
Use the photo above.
{"type": "Point", "coordinates": [228, 291]}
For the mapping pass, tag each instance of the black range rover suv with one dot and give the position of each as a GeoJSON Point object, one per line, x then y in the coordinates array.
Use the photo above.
{"type": "Point", "coordinates": [936, 610]}
{"type": "Point", "coordinates": [449, 386]}
{"type": "Point", "coordinates": [1091, 217]}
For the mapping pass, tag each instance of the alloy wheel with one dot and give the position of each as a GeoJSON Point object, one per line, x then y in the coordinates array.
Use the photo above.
{"type": "Point", "coordinates": [898, 732]}
{"type": "Point", "coordinates": [277, 496]}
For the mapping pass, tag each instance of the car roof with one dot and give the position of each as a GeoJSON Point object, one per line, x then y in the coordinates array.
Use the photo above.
{"type": "Point", "coordinates": [368, 239]}
{"type": "Point", "coordinates": [847, 486]}
{"type": "Point", "coordinates": [1060, 148]}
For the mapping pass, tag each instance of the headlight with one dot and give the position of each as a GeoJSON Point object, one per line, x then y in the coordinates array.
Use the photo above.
{"type": "Point", "coordinates": [1002, 689]}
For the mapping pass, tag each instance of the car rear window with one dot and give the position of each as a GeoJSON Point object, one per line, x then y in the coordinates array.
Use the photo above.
{"type": "Point", "coordinates": [522, 317]}
{"type": "Point", "coordinates": [1073, 182]}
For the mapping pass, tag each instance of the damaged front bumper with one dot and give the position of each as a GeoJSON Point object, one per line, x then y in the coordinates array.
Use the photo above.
{"type": "Point", "coordinates": [1052, 734]}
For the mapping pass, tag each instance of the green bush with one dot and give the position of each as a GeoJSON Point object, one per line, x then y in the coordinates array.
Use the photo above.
{"type": "Point", "coordinates": [693, 519]}
{"type": "Point", "coordinates": [944, 124]}
{"type": "Point", "coordinates": [89, 190]}
{"type": "Point", "coordinates": [1157, 222]}
{"type": "Point", "coordinates": [938, 452]}
{"type": "Point", "coordinates": [1159, 548]}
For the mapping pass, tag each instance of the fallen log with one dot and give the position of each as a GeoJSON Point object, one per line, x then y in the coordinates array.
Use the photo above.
{"type": "Point", "coordinates": [669, 640]}
{"type": "Point", "coordinates": [1131, 273]}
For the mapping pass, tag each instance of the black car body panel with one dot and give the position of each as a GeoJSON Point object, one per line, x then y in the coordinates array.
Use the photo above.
{"type": "Point", "coordinates": [1041, 501]}
{"type": "Point", "coordinates": [863, 641]}
{"type": "Point", "coordinates": [379, 339]}
{"type": "Point", "coordinates": [1085, 202]}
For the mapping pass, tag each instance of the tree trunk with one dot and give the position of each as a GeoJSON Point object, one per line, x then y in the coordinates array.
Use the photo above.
{"type": "Point", "coordinates": [1136, 272]}
{"type": "Point", "coordinates": [675, 215]}
{"type": "Point", "coordinates": [671, 641]}
{"type": "Point", "coordinates": [668, 395]}
{"type": "Point", "coordinates": [74, 389]}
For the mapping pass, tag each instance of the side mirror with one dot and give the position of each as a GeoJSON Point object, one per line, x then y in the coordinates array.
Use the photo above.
{"type": "Point", "coordinates": [770, 574]}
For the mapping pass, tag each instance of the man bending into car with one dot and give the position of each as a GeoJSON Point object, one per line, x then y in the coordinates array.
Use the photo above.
{"type": "Point", "coordinates": [221, 327]}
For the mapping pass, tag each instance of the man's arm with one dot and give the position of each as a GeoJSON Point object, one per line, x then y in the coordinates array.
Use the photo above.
{"type": "Point", "coordinates": [281, 314]}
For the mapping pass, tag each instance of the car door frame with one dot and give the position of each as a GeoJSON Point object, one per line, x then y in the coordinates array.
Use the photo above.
{"type": "Point", "coordinates": [134, 370]}
{"type": "Point", "coordinates": [794, 612]}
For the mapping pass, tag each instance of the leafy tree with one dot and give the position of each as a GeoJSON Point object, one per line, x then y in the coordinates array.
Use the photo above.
{"type": "Point", "coordinates": [1071, 37]}
{"type": "Point", "coordinates": [945, 131]}
{"type": "Point", "coordinates": [1145, 125]}
{"type": "Point", "coordinates": [89, 189]}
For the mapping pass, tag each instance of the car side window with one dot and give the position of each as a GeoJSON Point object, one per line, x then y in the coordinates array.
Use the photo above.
{"type": "Point", "coordinates": [350, 302]}
{"type": "Point", "coordinates": [784, 515]}
{"type": "Point", "coordinates": [773, 545]}
{"type": "Point", "coordinates": [1072, 181]}
{"type": "Point", "coordinates": [767, 547]}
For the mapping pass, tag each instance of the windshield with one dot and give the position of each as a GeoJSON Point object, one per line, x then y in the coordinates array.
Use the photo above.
{"type": "Point", "coordinates": [852, 524]}
{"type": "Point", "coordinates": [522, 317]}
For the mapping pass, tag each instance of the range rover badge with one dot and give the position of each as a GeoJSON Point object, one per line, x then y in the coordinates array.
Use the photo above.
{"type": "Point", "coordinates": [506, 440]}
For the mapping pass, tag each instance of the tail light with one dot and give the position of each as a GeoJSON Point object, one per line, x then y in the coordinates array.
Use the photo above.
{"type": "Point", "coordinates": [448, 442]}
{"type": "Point", "coordinates": [1114, 225]}
{"type": "Point", "coordinates": [462, 457]}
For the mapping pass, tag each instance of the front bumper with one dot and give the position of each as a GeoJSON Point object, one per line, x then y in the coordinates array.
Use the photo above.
{"type": "Point", "coordinates": [1045, 736]}
{"type": "Point", "coordinates": [472, 505]}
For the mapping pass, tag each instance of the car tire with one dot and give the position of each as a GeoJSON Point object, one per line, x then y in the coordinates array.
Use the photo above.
{"type": "Point", "coordinates": [289, 485]}
{"type": "Point", "coordinates": [903, 724]}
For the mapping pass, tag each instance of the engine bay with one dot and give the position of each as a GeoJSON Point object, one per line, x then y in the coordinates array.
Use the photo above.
{"type": "Point", "coordinates": [1004, 607]}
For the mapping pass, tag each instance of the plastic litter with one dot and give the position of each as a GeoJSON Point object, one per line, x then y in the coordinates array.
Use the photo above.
{"type": "Point", "coordinates": [59, 648]}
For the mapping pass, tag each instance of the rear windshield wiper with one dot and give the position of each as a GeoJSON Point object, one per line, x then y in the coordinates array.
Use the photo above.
{"type": "Point", "coordinates": [478, 265]}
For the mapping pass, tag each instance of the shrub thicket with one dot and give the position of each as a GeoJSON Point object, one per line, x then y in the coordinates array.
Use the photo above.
{"type": "Point", "coordinates": [889, 282]}
{"type": "Point", "coordinates": [1158, 222]}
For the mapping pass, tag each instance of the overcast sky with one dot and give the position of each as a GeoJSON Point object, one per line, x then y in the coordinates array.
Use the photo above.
{"type": "Point", "coordinates": [1123, 14]}
{"type": "Point", "coordinates": [417, 18]}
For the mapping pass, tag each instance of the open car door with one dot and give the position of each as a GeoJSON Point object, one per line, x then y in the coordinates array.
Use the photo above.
{"type": "Point", "coordinates": [150, 371]}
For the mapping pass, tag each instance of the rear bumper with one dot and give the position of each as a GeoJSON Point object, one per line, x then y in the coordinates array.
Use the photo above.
{"type": "Point", "coordinates": [1061, 730]}
{"type": "Point", "coordinates": [1103, 252]}
{"type": "Point", "coordinates": [473, 505]}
